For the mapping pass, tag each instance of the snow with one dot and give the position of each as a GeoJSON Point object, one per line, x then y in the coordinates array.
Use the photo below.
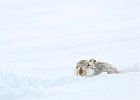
{"type": "Point", "coordinates": [41, 42]}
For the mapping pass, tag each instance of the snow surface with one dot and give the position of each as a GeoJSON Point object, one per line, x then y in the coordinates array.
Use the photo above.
{"type": "Point", "coordinates": [42, 40]}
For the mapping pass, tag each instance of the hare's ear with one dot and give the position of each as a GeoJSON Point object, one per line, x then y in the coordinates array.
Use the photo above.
{"type": "Point", "coordinates": [92, 60]}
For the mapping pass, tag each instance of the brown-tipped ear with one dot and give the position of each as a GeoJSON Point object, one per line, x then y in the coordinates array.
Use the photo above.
{"type": "Point", "coordinates": [92, 60]}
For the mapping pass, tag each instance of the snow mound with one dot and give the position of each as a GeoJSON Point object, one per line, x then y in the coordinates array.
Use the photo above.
{"type": "Point", "coordinates": [15, 87]}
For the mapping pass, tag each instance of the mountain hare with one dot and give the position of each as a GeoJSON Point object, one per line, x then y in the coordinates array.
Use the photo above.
{"type": "Point", "coordinates": [91, 67]}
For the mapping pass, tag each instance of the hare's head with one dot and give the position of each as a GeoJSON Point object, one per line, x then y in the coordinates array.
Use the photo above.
{"type": "Point", "coordinates": [83, 63]}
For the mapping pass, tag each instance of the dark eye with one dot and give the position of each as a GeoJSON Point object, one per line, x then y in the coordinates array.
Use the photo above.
{"type": "Point", "coordinates": [87, 65]}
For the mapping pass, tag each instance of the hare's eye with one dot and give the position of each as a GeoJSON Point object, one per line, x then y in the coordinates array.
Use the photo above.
{"type": "Point", "coordinates": [87, 65]}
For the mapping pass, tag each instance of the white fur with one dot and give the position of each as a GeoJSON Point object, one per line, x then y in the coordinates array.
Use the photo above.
{"type": "Point", "coordinates": [89, 72]}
